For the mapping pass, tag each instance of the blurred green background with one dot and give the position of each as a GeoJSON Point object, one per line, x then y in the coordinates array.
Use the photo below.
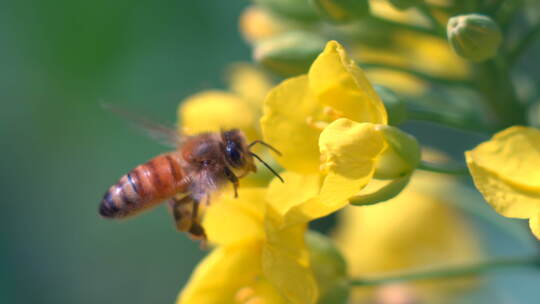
{"type": "Point", "coordinates": [61, 150]}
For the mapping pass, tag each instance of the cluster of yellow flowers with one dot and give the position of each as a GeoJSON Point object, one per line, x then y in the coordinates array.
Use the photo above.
{"type": "Point", "coordinates": [331, 127]}
{"type": "Point", "coordinates": [343, 153]}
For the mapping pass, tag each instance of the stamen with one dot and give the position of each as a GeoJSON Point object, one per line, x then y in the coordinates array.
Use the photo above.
{"type": "Point", "coordinates": [332, 113]}
{"type": "Point", "coordinates": [316, 124]}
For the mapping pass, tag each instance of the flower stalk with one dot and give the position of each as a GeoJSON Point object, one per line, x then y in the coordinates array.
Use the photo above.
{"type": "Point", "coordinates": [451, 272]}
{"type": "Point", "coordinates": [443, 168]}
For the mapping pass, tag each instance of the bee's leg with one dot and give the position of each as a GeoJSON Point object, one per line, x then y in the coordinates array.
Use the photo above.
{"type": "Point", "coordinates": [233, 179]}
{"type": "Point", "coordinates": [182, 211]}
{"type": "Point", "coordinates": [196, 231]}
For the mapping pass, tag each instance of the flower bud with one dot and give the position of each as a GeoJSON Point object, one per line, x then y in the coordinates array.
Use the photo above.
{"type": "Point", "coordinates": [395, 106]}
{"type": "Point", "coordinates": [294, 9]}
{"type": "Point", "coordinates": [329, 268]}
{"type": "Point", "coordinates": [404, 4]}
{"type": "Point", "coordinates": [289, 53]}
{"type": "Point", "coordinates": [474, 37]}
{"type": "Point", "coordinates": [340, 11]}
{"type": "Point", "coordinates": [401, 157]}
{"type": "Point", "coordinates": [384, 193]}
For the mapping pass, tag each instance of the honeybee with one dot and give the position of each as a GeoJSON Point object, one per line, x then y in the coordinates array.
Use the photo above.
{"type": "Point", "coordinates": [187, 177]}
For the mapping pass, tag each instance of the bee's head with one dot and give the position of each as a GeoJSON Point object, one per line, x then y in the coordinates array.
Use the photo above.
{"type": "Point", "coordinates": [238, 155]}
{"type": "Point", "coordinates": [237, 152]}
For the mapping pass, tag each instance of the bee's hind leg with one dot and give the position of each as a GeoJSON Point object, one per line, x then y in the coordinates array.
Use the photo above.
{"type": "Point", "coordinates": [182, 211]}
{"type": "Point", "coordinates": [186, 216]}
{"type": "Point", "coordinates": [233, 179]}
{"type": "Point", "coordinates": [196, 231]}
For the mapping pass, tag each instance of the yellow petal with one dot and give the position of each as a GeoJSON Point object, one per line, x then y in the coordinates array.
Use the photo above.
{"type": "Point", "coordinates": [534, 223]}
{"type": "Point", "coordinates": [211, 111]}
{"type": "Point", "coordinates": [350, 152]}
{"type": "Point", "coordinates": [339, 83]}
{"type": "Point", "coordinates": [294, 207]}
{"type": "Point", "coordinates": [232, 220]}
{"type": "Point", "coordinates": [512, 154]}
{"type": "Point", "coordinates": [285, 263]}
{"type": "Point", "coordinates": [249, 83]}
{"type": "Point", "coordinates": [284, 124]}
{"type": "Point", "coordinates": [503, 169]}
{"type": "Point", "coordinates": [297, 189]}
{"type": "Point", "coordinates": [222, 274]}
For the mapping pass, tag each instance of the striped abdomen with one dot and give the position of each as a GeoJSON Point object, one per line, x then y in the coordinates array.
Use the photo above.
{"type": "Point", "coordinates": [144, 187]}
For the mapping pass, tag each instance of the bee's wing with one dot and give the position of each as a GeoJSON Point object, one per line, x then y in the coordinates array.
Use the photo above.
{"type": "Point", "coordinates": [163, 134]}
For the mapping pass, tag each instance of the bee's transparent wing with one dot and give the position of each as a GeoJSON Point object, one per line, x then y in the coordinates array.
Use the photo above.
{"type": "Point", "coordinates": [163, 134]}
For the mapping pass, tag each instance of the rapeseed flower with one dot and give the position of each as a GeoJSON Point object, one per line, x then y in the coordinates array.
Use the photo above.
{"type": "Point", "coordinates": [253, 262]}
{"type": "Point", "coordinates": [332, 129]}
{"type": "Point", "coordinates": [505, 171]}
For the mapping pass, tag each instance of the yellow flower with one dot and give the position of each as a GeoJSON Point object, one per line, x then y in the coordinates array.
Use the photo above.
{"type": "Point", "coordinates": [505, 170]}
{"type": "Point", "coordinates": [213, 110]}
{"type": "Point", "coordinates": [254, 262]}
{"type": "Point", "coordinates": [330, 127]}
{"type": "Point", "coordinates": [417, 229]}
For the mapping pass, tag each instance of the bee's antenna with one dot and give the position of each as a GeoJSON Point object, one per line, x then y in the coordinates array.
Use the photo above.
{"type": "Point", "coordinates": [266, 145]}
{"type": "Point", "coordinates": [267, 166]}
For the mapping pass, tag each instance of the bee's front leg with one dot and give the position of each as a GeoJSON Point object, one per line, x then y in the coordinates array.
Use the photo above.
{"type": "Point", "coordinates": [233, 179]}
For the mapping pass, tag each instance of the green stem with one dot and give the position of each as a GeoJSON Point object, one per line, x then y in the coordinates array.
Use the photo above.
{"type": "Point", "coordinates": [493, 7]}
{"type": "Point", "coordinates": [450, 272]}
{"type": "Point", "coordinates": [402, 26]}
{"type": "Point", "coordinates": [443, 168]}
{"type": "Point", "coordinates": [426, 11]}
{"type": "Point", "coordinates": [507, 11]}
{"type": "Point", "coordinates": [460, 122]}
{"type": "Point", "coordinates": [419, 74]}
{"type": "Point", "coordinates": [522, 46]}
{"type": "Point", "coordinates": [493, 81]}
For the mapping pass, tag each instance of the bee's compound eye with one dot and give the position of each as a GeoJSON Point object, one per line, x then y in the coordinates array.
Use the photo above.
{"type": "Point", "coordinates": [233, 153]}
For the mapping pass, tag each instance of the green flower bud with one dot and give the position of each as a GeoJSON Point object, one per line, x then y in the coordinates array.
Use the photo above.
{"type": "Point", "coordinates": [329, 268]}
{"type": "Point", "coordinates": [404, 4]}
{"type": "Point", "coordinates": [289, 53]}
{"type": "Point", "coordinates": [294, 9]}
{"type": "Point", "coordinates": [342, 10]}
{"type": "Point", "coordinates": [395, 106]}
{"type": "Point", "coordinates": [388, 191]}
{"type": "Point", "coordinates": [401, 157]}
{"type": "Point", "coordinates": [474, 37]}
